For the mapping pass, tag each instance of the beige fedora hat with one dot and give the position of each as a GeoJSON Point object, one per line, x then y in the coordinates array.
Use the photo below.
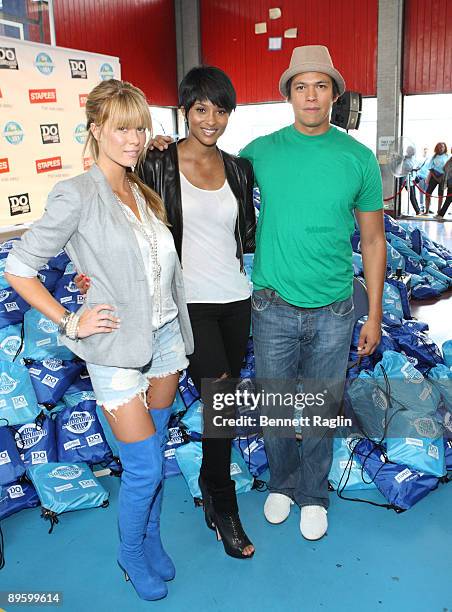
{"type": "Point", "coordinates": [311, 58]}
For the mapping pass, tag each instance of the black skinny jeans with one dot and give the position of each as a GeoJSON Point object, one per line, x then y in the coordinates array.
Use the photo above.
{"type": "Point", "coordinates": [443, 210]}
{"type": "Point", "coordinates": [221, 334]}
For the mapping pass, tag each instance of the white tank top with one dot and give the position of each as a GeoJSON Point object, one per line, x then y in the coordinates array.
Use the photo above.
{"type": "Point", "coordinates": [164, 307]}
{"type": "Point", "coordinates": [209, 263]}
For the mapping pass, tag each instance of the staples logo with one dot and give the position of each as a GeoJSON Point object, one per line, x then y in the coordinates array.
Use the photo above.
{"type": "Point", "coordinates": [4, 165]}
{"type": "Point", "coordinates": [82, 99]}
{"type": "Point", "coordinates": [49, 164]}
{"type": "Point", "coordinates": [78, 69]}
{"type": "Point", "coordinates": [39, 96]}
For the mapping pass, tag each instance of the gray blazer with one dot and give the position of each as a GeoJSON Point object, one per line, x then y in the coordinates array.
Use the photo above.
{"type": "Point", "coordinates": [83, 217]}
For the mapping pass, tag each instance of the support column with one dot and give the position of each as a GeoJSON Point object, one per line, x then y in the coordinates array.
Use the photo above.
{"type": "Point", "coordinates": [389, 88]}
{"type": "Point", "coordinates": [188, 36]}
{"type": "Point", "coordinates": [188, 44]}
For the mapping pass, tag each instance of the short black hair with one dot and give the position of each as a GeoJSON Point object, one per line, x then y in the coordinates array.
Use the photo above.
{"type": "Point", "coordinates": [289, 85]}
{"type": "Point", "coordinates": [207, 83]}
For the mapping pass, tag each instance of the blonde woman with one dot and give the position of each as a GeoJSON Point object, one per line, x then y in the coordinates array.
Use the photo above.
{"type": "Point", "coordinates": [133, 330]}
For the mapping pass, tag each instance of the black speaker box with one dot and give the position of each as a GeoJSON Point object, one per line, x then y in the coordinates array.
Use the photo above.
{"type": "Point", "coordinates": [346, 111]}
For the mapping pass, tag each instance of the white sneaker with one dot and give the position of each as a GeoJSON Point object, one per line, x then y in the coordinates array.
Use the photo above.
{"type": "Point", "coordinates": [277, 508]}
{"type": "Point", "coordinates": [313, 522]}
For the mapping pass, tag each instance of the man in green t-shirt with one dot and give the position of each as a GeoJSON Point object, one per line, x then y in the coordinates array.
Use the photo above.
{"type": "Point", "coordinates": [313, 179]}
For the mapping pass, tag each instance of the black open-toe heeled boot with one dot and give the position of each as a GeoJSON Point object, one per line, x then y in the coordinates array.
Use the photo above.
{"type": "Point", "coordinates": [230, 531]}
{"type": "Point", "coordinates": [207, 503]}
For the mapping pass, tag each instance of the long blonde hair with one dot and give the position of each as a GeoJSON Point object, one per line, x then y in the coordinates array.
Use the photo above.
{"type": "Point", "coordinates": [123, 105]}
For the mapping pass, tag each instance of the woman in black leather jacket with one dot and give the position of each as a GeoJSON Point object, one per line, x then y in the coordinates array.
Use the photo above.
{"type": "Point", "coordinates": [208, 195]}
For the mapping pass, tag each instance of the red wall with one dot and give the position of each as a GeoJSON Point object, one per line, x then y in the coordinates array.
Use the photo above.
{"type": "Point", "coordinates": [140, 32]}
{"type": "Point", "coordinates": [348, 28]}
{"type": "Point", "coordinates": [428, 47]}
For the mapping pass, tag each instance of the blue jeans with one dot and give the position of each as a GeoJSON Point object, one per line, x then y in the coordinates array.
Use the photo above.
{"type": "Point", "coordinates": [310, 345]}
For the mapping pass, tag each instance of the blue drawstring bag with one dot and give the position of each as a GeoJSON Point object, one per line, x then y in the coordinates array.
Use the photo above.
{"type": "Point", "coordinates": [36, 441]}
{"type": "Point", "coordinates": [419, 345]}
{"type": "Point", "coordinates": [425, 290]}
{"type": "Point", "coordinates": [252, 449]}
{"type": "Point", "coordinates": [67, 293]}
{"type": "Point", "coordinates": [447, 352]}
{"type": "Point", "coordinates": [80, 390]}
{"type": "Point", "coordinates": [187, 389]}
{"type": "Point", "coordinates": [394, 227]}
{"type": "Point", "coordinates": [403, 294]}
{"type": "Point", "coordinates": [432, 270]}
{"type": "Point", "coordinates": [11, 343]}
{"type": "Point", "coordinates": [5, 247]}
{"type": "Point", "coordinates": [177, 436]}
{"type": "Point", "coordinates": [356, 241]}
{"type": "Point", "coordinates": [413, 261]}
{"type": "Point", "coordinates": [391, 301]}
{"type": "Point", "coordinates": [11, 467]}
{"type": "Point", "coordinates": [417, 325]}
{"type": "Point", "coordinates": [179, 407]}
{"type": "Point", "coordinates": [66, 487]}
{"type": "Point", "coordinates": [413, 433]}
{"type": "Point", "coordinates": [52, 377]}
{"type": "Point", "coordinates": [394, 259]}
{"type": "Point", "coordinates": [3, 282]}
{"type": "Point", "coordinates": [248, 366]}
{"type": "Point", "coordinates": [18, 403]}
{"type": "Point", "coordinates": [17, 496]}
{"type": "Point", "coordinates": [387, 343]}
{"type": "Point", "coordinates": [433, 258]}
{"type": "Point", "coordinates": [248, 263]}
{"type": "Point", "coordinates": [59, 262]}
{"type": "Point", "coordinates": [49, 277]}
{"type": "Point", "coordinates": [357, 262]}
{"type": "Point", "coordinates": [416, 241]}
{"type": "Point", "coordinates": [346, 473]}
{"type": "Point", "coordinates": [12, 307]}
{"type": "Point", "coordinates": [368, 404]}
{"type": "Point", "coordinates": [80, 436]}
{"type": "Point", "coordinates": [189, 458]}
{"type": "Point", "coordinates": [441, 377]}
{"type": "Point", "coordinates": [192, 420]}
{"type": "Point", "coordinates": [448, 452]}
{"type": "Point", "coordinates": [400, 485]}
{"type": "Point", "coordinates": [42, 339]}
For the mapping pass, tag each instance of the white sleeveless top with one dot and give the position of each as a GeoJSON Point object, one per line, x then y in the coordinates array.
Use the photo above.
{"type": "Point", "coordinates": [164, 307]}
{"type": "Point", "coordinates": [209, 264]}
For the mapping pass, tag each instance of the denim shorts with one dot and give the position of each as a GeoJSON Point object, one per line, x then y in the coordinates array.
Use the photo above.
{"type": "Point", "coordinates": [116, 386]}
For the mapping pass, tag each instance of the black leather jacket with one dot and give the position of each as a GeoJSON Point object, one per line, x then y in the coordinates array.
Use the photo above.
{"type": "Point", "coordinates": [160, 171]}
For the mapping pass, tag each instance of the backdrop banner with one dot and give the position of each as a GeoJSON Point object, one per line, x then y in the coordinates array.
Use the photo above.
{"type": "Point", "coordinates": [43, 92]}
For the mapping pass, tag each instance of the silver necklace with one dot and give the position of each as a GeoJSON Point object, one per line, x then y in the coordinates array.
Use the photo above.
{"type": "Point", "coordinates": [149, 234]}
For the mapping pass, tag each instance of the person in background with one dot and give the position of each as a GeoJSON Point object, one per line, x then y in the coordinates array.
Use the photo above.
{"type": "Point", "coordinates": [436, 174]}
{"type": "Point", "coordinates": [448, 187]}
{"type": "Point", "coordinates": [208, 195]}
{"type": "Point", "coordinates": [133, 331]}
{"type": "Point", "coordinates": [421, 176]}
{"type": "Point", "coordinates": [409, 169]}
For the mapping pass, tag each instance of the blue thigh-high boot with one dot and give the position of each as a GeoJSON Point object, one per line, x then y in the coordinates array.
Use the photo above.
{"type": "Point", "coordinates": [156, 556]}
{"type": "Point", "coordinates": [141, 476]}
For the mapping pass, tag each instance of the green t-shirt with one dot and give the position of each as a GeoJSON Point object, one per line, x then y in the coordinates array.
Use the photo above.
{"type": "Point", "coordinates": [309, 187]}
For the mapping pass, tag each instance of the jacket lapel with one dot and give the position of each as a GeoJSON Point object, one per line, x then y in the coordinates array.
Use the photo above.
{"type": "Point", "coordinates": [108, 197]}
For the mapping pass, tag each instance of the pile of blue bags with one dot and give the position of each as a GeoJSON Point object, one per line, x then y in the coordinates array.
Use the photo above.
{"type": "Point", "coordinates": [50, 432]}
{"type": "Point", "coordinates": [400, 398]}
